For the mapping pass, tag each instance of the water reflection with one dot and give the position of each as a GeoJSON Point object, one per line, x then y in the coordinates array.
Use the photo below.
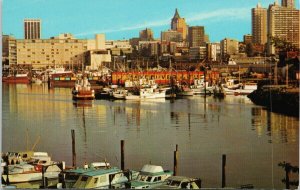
{"type": "Point", "coordinates": [280, 128]}
{"type": "Point", "coordinates": [204, 129]}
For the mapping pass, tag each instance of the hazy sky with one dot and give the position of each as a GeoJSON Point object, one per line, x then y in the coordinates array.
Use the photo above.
{"type": "Point", "coordinates": [123, 19]}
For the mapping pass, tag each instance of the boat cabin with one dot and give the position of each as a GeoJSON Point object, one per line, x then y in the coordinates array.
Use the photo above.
{"type": "Point", "coordinates": [150, 176]}
{"type": "Point", "coordinates": [101, 179]}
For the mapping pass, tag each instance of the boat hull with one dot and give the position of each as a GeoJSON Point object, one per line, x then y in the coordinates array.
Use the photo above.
{"type": "Point", "coordinates": [28, 177]}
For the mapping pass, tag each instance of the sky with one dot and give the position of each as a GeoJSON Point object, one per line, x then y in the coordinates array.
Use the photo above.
{"type": "Point", "coordinates": [123, 19]}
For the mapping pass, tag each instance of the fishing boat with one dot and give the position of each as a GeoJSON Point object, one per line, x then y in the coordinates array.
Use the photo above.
{"type": "Point", "coordinates": [180, 182]}
{"type": "Point", "coordinates": [105, 178]}
{"type": "Point", "coordinates": [149, 177]}
{"type": "Point", "coordinates": [17, 78]}
{"type": "Point", "coordinates": [146, 93]}
{"type": "Point", "coordinates": [244, 89]}
{"type": "Point", "coordinates": [30, 168]}
{"type": "Point", "coordinates": [83, 90]}
{"type": "Point", "coordinates": [120, 93]}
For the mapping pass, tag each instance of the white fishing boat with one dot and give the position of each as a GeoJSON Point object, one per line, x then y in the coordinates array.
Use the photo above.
{"type": "Point", "coordinates": [146, 93]}
{"type": "Point", "coordinates": [119, 93]}
{"type": "Point", "coordinates": [244, 89]}
{"type": "Point", "coordinates": [101, 179]}
{"type": "Point", "coordinates": [149, 177]}
{"type": "Point", "coordinates": [180, 182]}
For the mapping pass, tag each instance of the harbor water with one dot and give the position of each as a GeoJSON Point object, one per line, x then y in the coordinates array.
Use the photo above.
{"type": "Point", "coordinates": [254, 140]}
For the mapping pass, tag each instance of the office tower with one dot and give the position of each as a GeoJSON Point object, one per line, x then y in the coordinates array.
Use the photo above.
{"type": "Point", "coordinates": [259, 25]}
{"type": "Point", "coordinates": [100, 41]}
{"type": "Point", "coordinates": [283, 23]}
{"type": "Point", "coordinates": [171, 36]}
{"type": "Point", "coordinates": [178, 24]}
{"type": "Point", "coordinates": [146, 35]}
{"type": "Point", "coordinates": [32, 28]}
{"type": "Point", "coordinates": [288, 3]}
{"type": "Point", "coordinates": [196, 36]}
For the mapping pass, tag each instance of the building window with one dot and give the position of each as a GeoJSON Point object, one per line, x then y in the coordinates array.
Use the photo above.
{"type": "Point", "coordinates": [28, 49]}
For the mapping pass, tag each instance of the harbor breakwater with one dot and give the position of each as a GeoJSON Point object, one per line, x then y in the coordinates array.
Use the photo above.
{"type": "Point", "coordinates": [277, 98]}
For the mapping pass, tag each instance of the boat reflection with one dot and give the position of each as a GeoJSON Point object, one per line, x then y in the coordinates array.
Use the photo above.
{"type": "Point", "coordinates": [83, 103]}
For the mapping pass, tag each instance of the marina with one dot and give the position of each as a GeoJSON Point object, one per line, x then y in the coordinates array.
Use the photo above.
{"type": "Point", "coordinates": [254, 139]}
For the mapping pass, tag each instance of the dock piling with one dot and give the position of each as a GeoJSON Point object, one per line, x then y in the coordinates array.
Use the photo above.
{"type": "Point", "coordinates": [73, 148]}
{"type": "Point", "coordinates": [122, 155]}
{"type": "Point", "coordinates": [223, 170]}
{"type": "Point", "coordinates": [176, 161]}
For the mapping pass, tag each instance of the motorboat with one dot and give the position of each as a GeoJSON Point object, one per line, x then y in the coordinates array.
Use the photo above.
{"type": "Point", "coordinates": [119, 93]}
{"type": "Point", "coordinates": [68, 178]}
{"type": "Point", "coordinates": [104, 178]}
{"type": "Point", "coordinates": [31, 167]}
{"type": "Point", "coordinates": [180, 182]}
{"type": "Point", "coordinates": [83, 90]}
{"type": "Point", "coordinates": [149, 177]}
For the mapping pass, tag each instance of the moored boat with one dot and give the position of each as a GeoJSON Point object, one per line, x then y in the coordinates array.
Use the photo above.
{"type": "Point", "coordinates": [82, 90]}
{"type": "Point", "coordinates": [17, 78]}
{"type": "Point", "coordinates": [180, 182]}
{"type": "Point", "coordinates": [105, 178]}
{"type": "Point", "coordinates": [31, 167]}
{"type": "Point", "coordinates": [149, 177]}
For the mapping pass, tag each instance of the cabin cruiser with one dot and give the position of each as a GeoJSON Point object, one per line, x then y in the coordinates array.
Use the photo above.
{"type": "Point", "coordinates": [180, 182]}
{"type": "Point", "coordinates": [104, 178]}
{"type": "Point", "coordinates": [68, 178]}
{"type": "Point", "coordinates": [30, 168]}
{"type": "Point", "coordinates": [149, 177]}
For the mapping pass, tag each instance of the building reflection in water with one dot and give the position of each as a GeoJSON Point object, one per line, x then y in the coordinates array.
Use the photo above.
{"type": "Point", "coordinates": [279, 127]}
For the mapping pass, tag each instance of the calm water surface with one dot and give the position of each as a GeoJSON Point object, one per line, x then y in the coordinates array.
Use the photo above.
{"type": "Point", "coordinates": [253, 139]}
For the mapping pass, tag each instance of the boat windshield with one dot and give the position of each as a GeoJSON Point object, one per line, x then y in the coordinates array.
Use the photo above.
{"type": "Point", "coordinates": [144, 178]}
{"type": "Point", "coordinates": [173, 183]}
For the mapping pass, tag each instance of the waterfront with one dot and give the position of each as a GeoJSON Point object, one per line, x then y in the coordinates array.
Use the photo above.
{"type": "Point", "coordinates": [253, 139]}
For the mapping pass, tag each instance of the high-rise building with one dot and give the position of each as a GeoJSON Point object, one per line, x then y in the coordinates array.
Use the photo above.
{"type": "Point", "coordinates": [178, 24]}
{"type": "Point", "coordinates": [213, 51]}
{"type": "Point", "coordinates": [171, 36]}
{"type": "Point", "coordinates": [259, 25]}
{"type": "Point", "coordinates": [146, 35]}
{"type": "Point", "coordinates": [283, 23]}
{"type": "Point", "coordinates": [229, 47]}
{"type": "Point", "coordinates": [196, 36]}
{"type": "Point", "coordinates": [288, 3]}
{"type": "Point", "coordinates": [32, 28]}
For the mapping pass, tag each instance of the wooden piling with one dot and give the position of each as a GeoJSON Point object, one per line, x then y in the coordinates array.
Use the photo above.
{"type": "Point", "coordinates": [176, 161]}
{"type": "Point", "coordinates": [223, 170]}
{"type": "Point", "coordinates": [122, 155]}
{"type": "Point", "coordinates": [43, 177]}
{"type": "Point", "coordinates": [287, 176]}
{"type": "Point", "coordinates": [73, 148]}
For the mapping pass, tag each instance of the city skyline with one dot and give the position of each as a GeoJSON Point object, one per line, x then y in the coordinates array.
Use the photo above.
{"type": "Point", "coordinates": [130, 17]}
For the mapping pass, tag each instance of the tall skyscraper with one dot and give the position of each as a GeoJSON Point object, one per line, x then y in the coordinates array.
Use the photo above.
{"type": "Point", "coordinates": [259, 25]}
{"type": "Point", "coordinates": [178, 24]}
{"type": "Point", "coordinates": [288, 3]}
{"type": "Point", "coordinates": [196, 36]}
{"type": "Point", "coordinates": [32, 28]}
{"type": "Point", "coordinates": [283, 23]}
